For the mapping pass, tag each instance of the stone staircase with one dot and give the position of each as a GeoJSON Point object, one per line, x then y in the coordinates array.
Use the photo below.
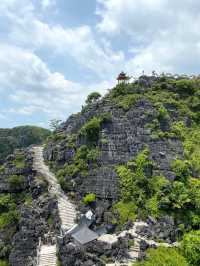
{"type": "Point", "coordinates": [47, 256]}
{"type": "Point", "coordinates": [66, 209]}
{"type": "Point", "coordinates": [134, 252]}
{"type": "Point", "coordinates": [67, 212]}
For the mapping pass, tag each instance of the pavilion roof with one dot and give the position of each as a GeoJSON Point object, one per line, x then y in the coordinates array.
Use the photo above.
{"type": "Point", "coordinates": [122, 76]}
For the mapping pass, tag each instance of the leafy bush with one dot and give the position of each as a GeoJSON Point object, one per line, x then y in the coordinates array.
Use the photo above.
{"type": "Point", "coordinates": [192, 147]}
{"type": "Point", "coordinates": [7, 218]}
{"type": "Point", "coordinates": [6, 203]}
{"type": "Point", "coordinates": [4, 250]}
{"type": "Point", "coordinates": [152, 205]}
{"type": "Point", "coordinates": [134, 181]}
{"type": "Point", "coordinates": [162, 113]}
{"type": "Point", "coordinates": [82, 153]}
{"type": "Point", "coordinates": [126, 211]}
{"type": "Point", "coordinates": [120, 89]}
{"type": "Point", "coordinates": [190, 247]}
{"type": "Point", "coordinates": [92, 97]}
{"type": "Point", "coordinates": [106, 117]}
{"type": "Point", "coordinates": [182, 169]}
{"type": "Point", "coordinates": [178, 128]}
{"type": "Point", "coordinates": [127, 101]}
{"type": "Point", "coordinates": [19, 161]}
{"type": "Point", "coordinates": [57, 136]}
{"type": "Point", "coordinates": [89, 198]}
{"type": "Point", "coordinates": [16, 181]}
{"type": "Point", "coordinates": [4, 263]}
{"type": "Point", "coordinates": [194, 191]}
{"type": "Point", "coordinates": [163, 257]}
{"type": "Point", "coordinates": [93, 155]}
{"type": "Point", "coordinates": [65, 185]}
{"type": "Point", "coordinates": [91, 129]}
{"type": "Point", "coordinates": [185, 86]}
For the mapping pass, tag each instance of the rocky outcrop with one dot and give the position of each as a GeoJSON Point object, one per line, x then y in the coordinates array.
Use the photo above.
{"type": "Point", "coordinates": [33, 225]}
{"type": "Point", "coordinates": [36, 210]}
{"type": "Point", "coordinates": [120, 140]}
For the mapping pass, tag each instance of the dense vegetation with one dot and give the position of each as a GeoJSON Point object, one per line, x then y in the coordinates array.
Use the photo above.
{"type": "Point", "coordinates": [155, 195]}
{"type": "Point", "coordinates": [20, 137]}
{"type": "Point", "coordinates": [163, 257]}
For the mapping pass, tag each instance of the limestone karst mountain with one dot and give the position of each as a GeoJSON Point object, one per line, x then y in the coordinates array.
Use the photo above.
{"type": "Point", "coordinates": [20, 137]}
{"type": "Point", "coordinates": [125, 171]}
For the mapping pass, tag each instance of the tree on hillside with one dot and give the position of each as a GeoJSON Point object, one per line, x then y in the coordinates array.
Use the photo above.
{"type": "Point", "coordinates": [55, 124]}
{"type": "Point", "coordinates": [93, 97]}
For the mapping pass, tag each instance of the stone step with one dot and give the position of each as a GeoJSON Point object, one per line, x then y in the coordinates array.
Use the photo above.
{"type": "Point", "coordinates": [66, 208]}
{"type": "Point", "coordinates": [47, 256]}
{"type": "Point", "coordinates": [67, 213]}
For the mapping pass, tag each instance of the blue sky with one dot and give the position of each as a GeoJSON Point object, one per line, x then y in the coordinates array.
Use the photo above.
{"type": "Point", "coordinates": [53, 53]}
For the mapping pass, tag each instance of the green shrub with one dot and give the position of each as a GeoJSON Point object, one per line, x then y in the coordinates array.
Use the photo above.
{"type": "Point", "coordinates": [133, 179]}
{"type": "Point", "coordinates": [106, 117]}
{"type": "Point", "coordinates": [91, 129]}
{"type": "Point", "coordinates": [104, 141]}
{"type": "Point", "coordinates": [190, 247]}
{"type": "Point", "coordinates": [89, 198]}
{"type": "Point", "coordinates": [58, 262]}
{"type": "Point", "coordinates": [185, 86]}
{"type": "Point", "coordinates": [8, 218]}
{"type": "Point", "coordinates": [127, 101]}
{"type": "Point", "coordinates": [4, 263]}
{"type": "Point", "coordinates": [179, 195]}
{"type": "Point", "coordinates": [120, 89]}
{"type": "Point", "coordinates": [152, 205]}
{"type": "Point", "coordinates": [126, 211]}
{"type": "Point", "coordinates": [57, 136]}
{"type": "Point", "coordinates": [81, 153]}
{"type": "Point", "coordinates": [65, 185]}
{"type": "Point", "coordinates": [28, 200]}
{"type": "Point", "coordinates": [178, 128]}
{"type": "Point", "coordinates": [6, 203]}
{"type": "Point", "coordinates": [4, 250]}
{"type": "Point", "coordinates": [126, 181]}
{"type": "Point", "coordinates": [92, 97]}
{"type": "Point", "coordinates": [16, 181]}
{"type": "Point", "coordinates": [19, 161]}
{"type": "Point", "coordinates": [162, 113]}
{"type": "Point", "coordinates": [182, 169]}
{"type": "Point", "coordinates": [194, 191]}
{"type": "Point", "coordinates": [192, 147]}
{"type": "Point", "coordinates": [163, 257]}
{"type": "Point", "coordinates": [93, 155]}
{"type": "Point", "coordinates": [2, 169]}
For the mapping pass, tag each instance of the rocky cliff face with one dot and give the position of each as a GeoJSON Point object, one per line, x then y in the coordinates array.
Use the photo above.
{"type": "Point", "coordinates": [119, 140]}
{"type": "Point", "coordinates": [26, 210]}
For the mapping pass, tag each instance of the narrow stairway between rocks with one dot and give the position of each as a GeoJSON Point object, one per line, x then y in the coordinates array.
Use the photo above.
{"type": "Point", "coordinates": [66, 210]}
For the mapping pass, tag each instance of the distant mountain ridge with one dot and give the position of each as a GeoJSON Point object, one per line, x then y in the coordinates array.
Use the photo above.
{"type": "Point", "coordinates": [20, 137]}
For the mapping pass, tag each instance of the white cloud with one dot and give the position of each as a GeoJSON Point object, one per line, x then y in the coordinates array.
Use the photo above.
{"type": "Point", "coordinates": [164, 35]}
{"type": "Point", "coordinates": [34, 89]}
{"type": "Point", "coordinates": [47, 3]}
{"type": "Point", "coordinates": [28, 30]}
